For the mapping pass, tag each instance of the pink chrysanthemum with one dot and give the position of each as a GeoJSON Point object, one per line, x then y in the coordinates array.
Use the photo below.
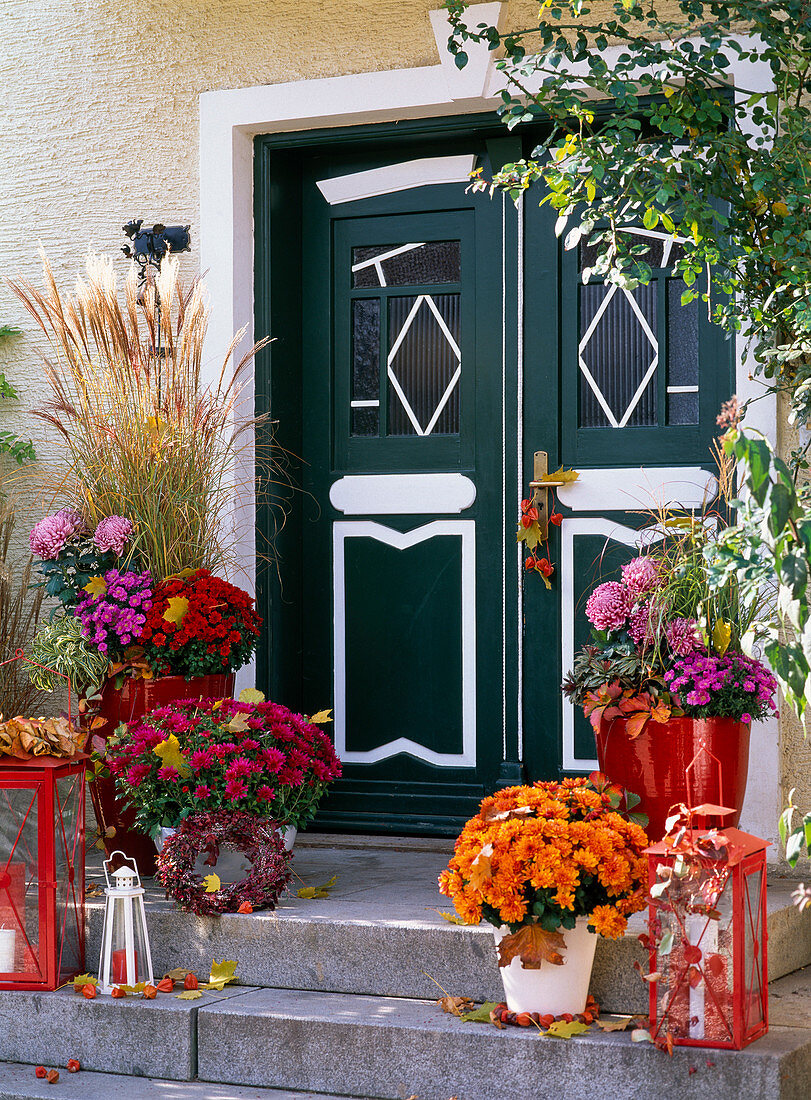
{"type": "Point", "coordinates": [608, 606]}
{"type": "Point", "coordinates": [640, 576]}
{"type": "Point", "coordinates": [683, 637]}
{"type": "Point", "coordinates": [236, 788]}
{"type": "Point", "coordinates": [640, 624]}
{"type": "Point", "coordinates": [265, 794]}
{"type": "Point", "coordinates": [137, 774]}
{"type": "Point", "coordinates": [112, 533]}
{"type": "Point", "coordinates": [49, 537]}
{"type": "Point", "coordinates": [168, 773]}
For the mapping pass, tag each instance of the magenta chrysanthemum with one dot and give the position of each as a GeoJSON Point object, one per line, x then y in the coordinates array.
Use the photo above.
{"type": "Point", "coordinates": [683, 637]}
{"type": "Point", "coordinates": [641, 624]}
{"type": "Point", "coordinates": [49, 537]}
{"type": "Point", "coordinates": [112, 533]}
{"type": "Point", "coordinates": [608, 606]}
{"type": "Point", "coordinates": [640, 576]}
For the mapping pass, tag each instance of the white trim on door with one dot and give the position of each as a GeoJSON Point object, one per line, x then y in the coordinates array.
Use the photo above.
{"type": "Point", "coordinates": [402, 494]}
{"type": "Point", "coordinates": [396, 177]}
{"type": "Point", "coordinates": [465, 529]}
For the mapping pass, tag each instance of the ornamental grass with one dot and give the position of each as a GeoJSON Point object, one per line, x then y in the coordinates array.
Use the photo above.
{"type": "Point", "coordinates": [143, 435]}
{"type": "Point", "coordinates": [547, 854]}
{"type": "Point", "coordinates": [19, 613]}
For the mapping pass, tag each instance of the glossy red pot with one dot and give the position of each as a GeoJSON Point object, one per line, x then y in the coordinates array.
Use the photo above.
{"type": "Point", "coordinates": [654, 765]}
{"type": "Point", "coordinates": [128, 704]}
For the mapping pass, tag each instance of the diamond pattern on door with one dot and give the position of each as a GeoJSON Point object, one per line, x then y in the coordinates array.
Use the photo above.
{"type": "Point", "coordinates": [622, 361]}
{"type": "Point", "coordinates": [424, 364]}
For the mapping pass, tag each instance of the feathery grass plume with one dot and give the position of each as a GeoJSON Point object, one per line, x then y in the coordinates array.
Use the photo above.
{"type": "Point", "coordinates": [19, 613]}
{"type": "Point", "coordinates": [143, 434]}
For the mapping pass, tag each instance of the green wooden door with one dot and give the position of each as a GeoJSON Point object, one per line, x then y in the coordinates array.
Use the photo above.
{"type": "Point", "coordinates": [427, 342]}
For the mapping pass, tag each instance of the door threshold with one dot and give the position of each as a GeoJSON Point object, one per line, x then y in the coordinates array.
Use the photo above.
{"type": "Point", "coordinates": [443, 845]}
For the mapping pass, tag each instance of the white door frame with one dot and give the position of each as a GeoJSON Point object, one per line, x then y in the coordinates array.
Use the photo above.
{"type": "Point", "coordinates": [229, 121]}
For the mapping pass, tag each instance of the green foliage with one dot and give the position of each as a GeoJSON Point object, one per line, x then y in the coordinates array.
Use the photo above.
{"type": "Point", "coordinates": [19, 450]}
{"type": "Point", "coordinates": [60, 646]}
{"type": "Point", "coordinates": [682, 151]}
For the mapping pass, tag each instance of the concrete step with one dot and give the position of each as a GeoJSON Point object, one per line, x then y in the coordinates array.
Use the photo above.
{"type": "Point", "coordinates": [392, 1048]}
{"type": "Point", "coordinates": [379, 933]}
{"type": "Point", "coordinates": [18, 1082]}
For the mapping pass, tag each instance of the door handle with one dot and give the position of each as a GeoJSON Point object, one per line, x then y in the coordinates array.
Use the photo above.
{"type": "Point", "coordinates": [540, 486]}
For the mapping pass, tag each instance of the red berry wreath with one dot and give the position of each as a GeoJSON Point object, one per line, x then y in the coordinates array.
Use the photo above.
{"type": "Point", "coordinates": [256, 837]}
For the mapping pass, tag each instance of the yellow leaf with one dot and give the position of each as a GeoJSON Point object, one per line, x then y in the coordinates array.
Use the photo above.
{"type": "Point", "coordinates": [176, 610]}
{"type": "Point", "coordinates": [616, 1024]}
{"type": "Point", "coordinates": [221, 973]}
{"type": "Point", "coordinates": [251, 695]}
{"type": "Point", "coordinates": [780, 209]}
{"type": "Point", "coordinates": [169, 752]}
{"type": "Point", "coordinates": [721, 635]}
{"type": "Point", "coordinates": [189, 995]}
{"type": "Point", "coordinates": [321, 717]}
{"type": "Point", "coordinates": [178, 974]}
{"type": "Point", "coordinates": [238, 724]}
{"type": "Point", "coordinates": [317, 891]}
{"type": "Point", "coordinates": [561, 1030]}
{"type": "Point", "coordinates": [560, 475]}
{"type": "Point", "coordinates": [668, 91]}
{"type": "Point", "coordinates": [451, 918]}
{"type": "Point", "coordinates": [96, 586]}
{"type": "Point", "coordinates": [212, 883]}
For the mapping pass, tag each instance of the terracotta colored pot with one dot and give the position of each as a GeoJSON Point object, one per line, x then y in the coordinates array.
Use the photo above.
{"type": "Point", "coordinates": [654, 766]}
{"type": "Point", "coordinates": [128, 704]}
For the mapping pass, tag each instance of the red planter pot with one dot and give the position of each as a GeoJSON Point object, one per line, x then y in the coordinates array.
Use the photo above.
{"type": "Point", "coordinates": [129, 704]}
{"type": "Point", "coordinates": [654, 765]}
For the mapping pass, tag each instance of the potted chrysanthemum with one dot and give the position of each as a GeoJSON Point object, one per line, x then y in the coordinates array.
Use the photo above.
{"type": "Point", "coordinates": [665, 682]}
{"type": "Point", "coordinates": [551, 866]}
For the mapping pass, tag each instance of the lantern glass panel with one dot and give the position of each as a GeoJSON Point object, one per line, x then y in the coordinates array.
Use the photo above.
{"type": "Point", "coordinates": [68, 820]}
{"type": "Point", "coordinates": [695, 988]}
{"type": "Point", "coordinates": [753, 932]}
{"type": "Point", "coordinates": [127, 914]}
{"type": "Point", "coordinates": [19, 881]}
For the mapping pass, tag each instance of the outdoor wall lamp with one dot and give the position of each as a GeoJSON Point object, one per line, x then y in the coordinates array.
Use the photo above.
{"type": "Point", "coordinates": [150, 246]}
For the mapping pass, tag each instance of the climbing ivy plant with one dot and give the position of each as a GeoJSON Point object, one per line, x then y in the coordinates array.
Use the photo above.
{"type": "Point", "coordinates": [20, 450]}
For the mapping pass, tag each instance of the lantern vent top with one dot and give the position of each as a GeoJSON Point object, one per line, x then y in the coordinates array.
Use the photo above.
{"type": "Point", "coordinates": [124, 877]}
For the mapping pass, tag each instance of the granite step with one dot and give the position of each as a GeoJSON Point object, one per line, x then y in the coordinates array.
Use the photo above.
{"type": "Point", "coordinates": [390, 1048]}
{"type": "Point", "coordinates": [380, 932]}
{"type": "Point", "coordinates": [17, 1082]}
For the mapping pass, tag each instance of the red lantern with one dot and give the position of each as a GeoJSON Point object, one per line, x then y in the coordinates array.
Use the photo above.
{"type": "Point", "coordinates": [707, 936]}
{"type": "Point", "coordinates": [42, 836]}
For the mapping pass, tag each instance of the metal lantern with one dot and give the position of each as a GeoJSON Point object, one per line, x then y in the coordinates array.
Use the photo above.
{"type": "Point", "coordinates": [708, 938]}
{"type": "Point", "coordinates": [125, 957]}
{"type": "Point", "coordinates": [42, 828]}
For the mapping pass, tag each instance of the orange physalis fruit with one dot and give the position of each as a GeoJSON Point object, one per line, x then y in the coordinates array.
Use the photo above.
{"type": "Point", "coordinates": [246, 907]}
{"type": "Point", "coordinates": [150, 992]}
{"type": "Point", "coordinates": [190, 982]}
{"type": "Point", "coordinates": [89, 991]}
{"type": "Point", "coordinates": [165, 985]}
{"type": "Point", "coordinates": [52, 1076]}
{"type": "Point", "coordinates": [73, 1066]}
{"type": "Point", "coordinates": [118, 992]}
{"type": "Point", "coordinates": [40, 1071]}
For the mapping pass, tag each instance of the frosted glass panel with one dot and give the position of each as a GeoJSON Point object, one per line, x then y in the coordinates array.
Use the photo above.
{"type": "Point", "coordinates": [424, 364]}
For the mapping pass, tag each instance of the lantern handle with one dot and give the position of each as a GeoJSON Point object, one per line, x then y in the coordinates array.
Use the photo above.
{"type": "Point", "coordinates": [689, 773]}
{"type": "Point", "coordinates": [124, 858]}
{"type": "Point", "coordinates": [19, 655]}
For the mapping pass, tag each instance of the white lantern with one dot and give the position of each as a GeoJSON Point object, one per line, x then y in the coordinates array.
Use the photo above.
{"type": "Point", "coordinates": [125, 958]}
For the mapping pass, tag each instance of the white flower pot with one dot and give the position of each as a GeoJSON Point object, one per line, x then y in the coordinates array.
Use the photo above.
{"type": "Point", "coordinates": [289, 836]}
{"type": "Point", "coordinates": [552, 989]}
{"type": "Point", "coordinates": [166, 832]}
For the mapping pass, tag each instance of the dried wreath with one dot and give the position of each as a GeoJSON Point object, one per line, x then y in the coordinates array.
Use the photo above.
{"type": "Point", "coordinates": [257, 838]}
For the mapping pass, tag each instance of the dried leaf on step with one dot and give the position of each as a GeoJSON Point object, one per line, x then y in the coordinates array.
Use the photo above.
{"type": "Point", "coordinates": [321, 717]}
{"type": "Point", "coordinates": [614, 1024]}
{"type": "Point", "coordinates": [561, 1030]}
{"type": "Point", "coordinates": [480, 1015]}
{"type": "Point", "coordinates": [456, 1005]}
{"type": "Point", "coordinates": [533, 945]}
{"type": "Point", "coordinates": [81, 980]}
{"type": "Point", "coordinates": [317, 891]}
{"type": "Point", "coordinates": [451, 918]}
{"type": "Point", "coordinates": [188, 995]}
{"type": "Point", "coordinates": [138, 988]}
{"type": "Point", "coordinates": [212, 883]}
{"type": "Point", "coordinates": [221, 973]}
{"type": "Point", "coordinates": [178, 974]}
{"type": "Point", "coordinates": [641, 1035]}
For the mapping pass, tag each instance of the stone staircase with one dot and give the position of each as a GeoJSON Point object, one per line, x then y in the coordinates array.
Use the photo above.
{"type": "Point", "coordinates": [338, 999]}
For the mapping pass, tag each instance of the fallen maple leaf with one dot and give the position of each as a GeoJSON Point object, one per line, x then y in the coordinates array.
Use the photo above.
{"type": "Point", "coordinates": [560, 475]}
{"type": "Point", "coordinates": [81, 980]}
{"type": "Point", "coordinates": [221, 973]}
{"type": "Point", "coordinates": [238, 724]}
{"type": "Point", "coordinates": [212, 883]}
{"type": "Point", "coordinates": [176, 609]}
{"type": "Point", "coordinates": [251, 695]}
{"type": "Point", "coordinates": [321, 717]}
{"type": "Point", "coordinates": [451, 918]}
{"type": "Point", "coordinates": [480, 1015]}
{"type": "Point", "coordinates": [96, 586]}
{"type": "Point", "coordinates": [560, 1029]}
{"type": "Point", "coordinates": [179, 974]}
{"type": "Point", "coordinates": [170, 753]}
{"type": "Point", "coordinates": [188, 995]}
{"type": "Point", "coordinates": [317, 891]}
{"type": "Point", "coordinates": [456, 1005]}
{"type": "Point", "coordinates": [533, 945]}
{"type": "Point", "coordinates": [480, 870]}
{"type": "Point", "coordinates": [620, 1024]}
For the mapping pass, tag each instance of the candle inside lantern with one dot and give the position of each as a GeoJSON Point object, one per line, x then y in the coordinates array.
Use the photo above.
{"type": "Point", "coordinates": [120, 967]}
{"type": "Point", "coordinates": [8, 942]}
